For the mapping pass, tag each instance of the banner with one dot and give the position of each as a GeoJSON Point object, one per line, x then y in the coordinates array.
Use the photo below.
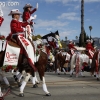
{"type": "Point", "coordinates": [11, 55]}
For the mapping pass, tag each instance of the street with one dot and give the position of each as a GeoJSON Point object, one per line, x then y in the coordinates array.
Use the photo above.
{"type": "Point", "coordinates": [61, 87]}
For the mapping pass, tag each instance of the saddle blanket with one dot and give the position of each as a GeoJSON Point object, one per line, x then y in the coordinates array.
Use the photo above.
{"type": "Point", "coordinates": [11, 55]}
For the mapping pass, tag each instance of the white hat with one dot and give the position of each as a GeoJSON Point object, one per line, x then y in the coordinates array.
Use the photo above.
{"type": "Point", "coordinates": [27, 6]}
{"type": "Point", "coordinates": [70, 41]}
{"type": "Point", "coordinates": [88, 41]}
{"type": "Point", "coordinates": [14, 11]}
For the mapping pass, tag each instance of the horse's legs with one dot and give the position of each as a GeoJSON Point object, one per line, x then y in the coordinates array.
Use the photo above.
{"type": "Point", "coordinates": [45, 87]}
{"type": "Point", "coordinates": [71, 72]}
{"type": "Point", "coordinates": [1, 94]}
{"type": "Point", "coordinates": [5, 79]}
{"type": "Point", "coordinates": [64, 70]}
{"type": "Point", "coordinates": [20, 75]}
{"type": "Point", "coordinates": [15, 76]}
{"type": "Point", "coordinates": [36, 80]}
{"type": "Point", "coordinates": [24, 84]}
{"type": "Point", "coordinates": [58, 71]}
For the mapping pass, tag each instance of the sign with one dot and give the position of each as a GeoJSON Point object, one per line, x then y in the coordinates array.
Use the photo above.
{"type": "Point", "coordinates": [11, 55]}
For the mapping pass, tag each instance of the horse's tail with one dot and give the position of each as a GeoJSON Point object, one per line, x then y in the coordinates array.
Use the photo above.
{"type": "Point", "coordinates": [93, 66]}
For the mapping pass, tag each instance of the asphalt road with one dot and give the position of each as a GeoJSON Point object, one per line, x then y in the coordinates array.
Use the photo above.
{"type": "Point", "coordinates": [61, 87]}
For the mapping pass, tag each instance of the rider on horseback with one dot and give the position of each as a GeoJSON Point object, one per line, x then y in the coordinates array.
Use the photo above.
{"type": "Point", "coordinates": [71, 47]}
{"type": "Point", "coordinates": [27, 12]}
{"type": "Point", "coordinates": [18, 34]}
{"type": "Point", "coordinates": [89, 48]}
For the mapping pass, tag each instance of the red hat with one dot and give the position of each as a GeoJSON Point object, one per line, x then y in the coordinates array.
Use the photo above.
{"type": "Point", "coordinates": [14, 11]}
{"type": "Point", "coordinates": [27, 6]}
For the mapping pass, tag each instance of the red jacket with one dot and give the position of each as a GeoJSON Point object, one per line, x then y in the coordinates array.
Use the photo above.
{"type": "Point", "coordinates": [71, 46]}
{"type": "Point", "coordinates": [16, 26]}
{"type": "Point", "coordinates": [89, 47]}
{"type": "Point", "coordinates": [26, 14]}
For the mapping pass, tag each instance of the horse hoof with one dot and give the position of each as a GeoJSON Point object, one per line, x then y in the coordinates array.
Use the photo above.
{"type": "Point", "coordinates": [94, 75]}
{"type": "Point", "coordinates": [58, 73]}
{"type": "Point", "coordinates": [21, 94]}
{"type": "Point", "coordinates": [22, 77]}
{"type": "Point", "coordinates": [83, 76]}
{"type": "Point", "coordinates": [29, 80]}
{"type": "Point", "coordinates": [48, 94]}
{"type": "Point", "coordinates": [35, 86]}
{"type": "Point", "coordinates": [14, 76]}
{"type": "Point", "coordinates": [97, 79]}
{"type": "Point", "coordinates": [64, 73]}
{"type": "Point", "coordinates": [70, 75]}
{"type": "Point", "coordinates": [37, 82]}
{"type": "Point", "coordinates": [19, 84]}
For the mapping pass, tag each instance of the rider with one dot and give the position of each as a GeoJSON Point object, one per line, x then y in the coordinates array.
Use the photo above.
{"type": "Point", "coordinates": [17, 32]}
{"type": "Point", "coordinates": [71, 47]}
{"type": "Point", "coordinates": [27, 13]}
{"type": "Point", "coordinates": [89, 48]}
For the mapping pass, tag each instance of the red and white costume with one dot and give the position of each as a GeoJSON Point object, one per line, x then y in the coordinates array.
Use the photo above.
{"type": "Point", "coordinates": [71, 47]}
{"type": "Point", "coordinates": [1, 16]}
{"type": "Point", "coordinates": [18, 31]}
{"type": "Point", "coordinates": [27, 14]}
{"type": "Point", "coordinates": [90, 49]}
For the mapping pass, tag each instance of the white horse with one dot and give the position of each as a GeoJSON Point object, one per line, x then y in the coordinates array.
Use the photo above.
{"type": "Point", "coordinates": [77, 61]}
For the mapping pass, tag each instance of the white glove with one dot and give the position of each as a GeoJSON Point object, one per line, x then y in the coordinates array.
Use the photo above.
{"type": "Point", "coordinates": [33, 17]}
{"type": "Point", "coordinates": [37, 6]}
{"type": "Point", "coordinates": [1, 12]}
{"type": "Point", "coordinates": [24, 29]}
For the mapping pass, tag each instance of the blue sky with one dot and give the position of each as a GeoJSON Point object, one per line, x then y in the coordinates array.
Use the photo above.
{"type": "Point", "coordinates": [61, 15]}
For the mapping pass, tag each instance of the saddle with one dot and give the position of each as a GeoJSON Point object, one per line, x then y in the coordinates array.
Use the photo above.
{"type": "Point", "coordinates": [13, 43]}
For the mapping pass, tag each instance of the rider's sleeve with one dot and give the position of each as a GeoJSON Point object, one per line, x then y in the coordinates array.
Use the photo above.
{"type": "Point", "coordinates": [31, 12]}
{"type": "Point", "coordinates": [24, 24]}
{"type": "Point", "coordinates": [73, 46]}
{"type": "Point", "coordinates": [26, 16]}
{"type": "Point", "coordinates": [92, 48]}
{"type": "Point", "coordinates": [15, 29]}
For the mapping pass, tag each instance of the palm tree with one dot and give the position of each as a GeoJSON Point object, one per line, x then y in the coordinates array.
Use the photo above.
{"type": "Point", "coordinates": [66, 38]}
{"type": "Point", "coordinates": [76, 37]}
{"type": "Point", "coordinates": [90, 28]}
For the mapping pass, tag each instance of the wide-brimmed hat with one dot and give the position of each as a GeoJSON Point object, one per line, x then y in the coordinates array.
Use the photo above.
{"type": "Point", "coordinates": [70, 41]}
{"type": "Point", "coordinates": [88, 41]}
{"type": "Point", "coordinates": [28, 6]}
{"type": "Point", "coordinates": [14, 11]}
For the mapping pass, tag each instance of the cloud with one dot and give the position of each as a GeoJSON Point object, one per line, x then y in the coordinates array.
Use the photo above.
{"type": "Point", "coordinates": [77, 7]}
{"type": "Point", "coordinates": [92, 0]}
{"type": "Point", "coordinates": [67, 32]}
{"type": "Point", "coordinates": [67, 1]}
{"type": "Point", "coordinates": [69, 16]}
{"type": "Point", "coordinates": [50, 23]}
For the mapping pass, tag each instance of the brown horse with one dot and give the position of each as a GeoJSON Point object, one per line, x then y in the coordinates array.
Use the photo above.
{"type": "Point", "coordinates": [95, 66]}
{"type": "Point", "coordinates": [60, 60]}
{"type": "Point", "coordinates": [40, 65]}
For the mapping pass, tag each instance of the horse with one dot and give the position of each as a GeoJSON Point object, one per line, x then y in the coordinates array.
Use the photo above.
{"type": "Point", "coordinates": [40, 65]}
{"type": "Point", "coordinates": [95, 66]}
{"type": "Point", "coordinates": [60, 59]}
{"type": "Point", "coordinates": [78, 60]}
